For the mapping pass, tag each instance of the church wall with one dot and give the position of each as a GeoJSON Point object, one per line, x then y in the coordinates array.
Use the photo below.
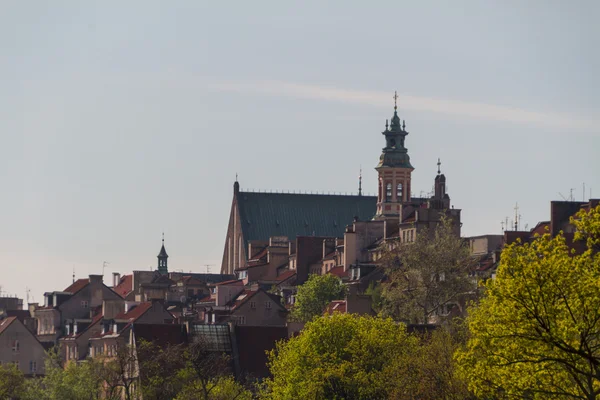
{"type": "Point", "coordinates": [234, 253]}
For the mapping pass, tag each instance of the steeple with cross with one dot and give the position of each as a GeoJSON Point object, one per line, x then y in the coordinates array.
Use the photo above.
{"type": "Point", "coordinates": [162, 258]}
{"type": "Point", "coordinates": [394, 168]}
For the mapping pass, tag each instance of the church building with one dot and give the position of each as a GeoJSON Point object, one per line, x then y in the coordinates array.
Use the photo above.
{"type": "Point", "coordinates": [258, 219]}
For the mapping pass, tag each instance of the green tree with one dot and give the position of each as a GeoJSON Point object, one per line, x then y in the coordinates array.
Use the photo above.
{"type": "Point", "coordinates": [536, 333]}
{"type": "Point", "coordinates": [344, 356]}
{"type": "Point", "coordinates": [314, 295]}
{"type": "Point", "coordinates": [163, 371]}
{"type": "Point", "coordinates": [426, 275]}
{"type": "Point", "coordinates": [77, 381]}
{"type": "Point", "coordinates": [428, 371]}
{"type": "Point", "coordinates": [225, 388]}
{"type": "Point", "coordinates": [12, 382]}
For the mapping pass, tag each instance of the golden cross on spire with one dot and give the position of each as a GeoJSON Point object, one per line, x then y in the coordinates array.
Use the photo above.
{"type": "Point", "coordinates": [395, 100]}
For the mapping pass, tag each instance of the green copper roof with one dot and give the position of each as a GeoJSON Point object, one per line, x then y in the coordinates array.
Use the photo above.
{"type": "Point", "coordinates": [263, 215]}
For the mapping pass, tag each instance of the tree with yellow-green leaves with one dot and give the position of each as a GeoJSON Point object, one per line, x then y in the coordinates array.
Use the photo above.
{"type": "Point", "coordinates": [536, 332]}
{"type": "Point", "coordinates": [344, 356]}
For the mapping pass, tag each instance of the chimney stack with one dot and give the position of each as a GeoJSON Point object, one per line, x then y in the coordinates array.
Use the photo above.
{"type": "Point", "coordinates": [116, 279]}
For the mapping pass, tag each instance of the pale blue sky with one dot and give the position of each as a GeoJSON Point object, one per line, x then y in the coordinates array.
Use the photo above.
{"type": "Point", "coordinates": [120, 120]}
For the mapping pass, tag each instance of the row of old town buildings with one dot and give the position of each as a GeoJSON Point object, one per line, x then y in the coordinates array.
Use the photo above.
{"type": "Point", "coordinates": [274, 241]}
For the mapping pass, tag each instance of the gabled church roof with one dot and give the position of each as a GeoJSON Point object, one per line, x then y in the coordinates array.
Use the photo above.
{"type": "Point", "coordinates": [263, 215]}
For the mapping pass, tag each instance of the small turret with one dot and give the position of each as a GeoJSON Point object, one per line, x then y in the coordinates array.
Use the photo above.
{"type": "Point", "coordinates": [162, 259]}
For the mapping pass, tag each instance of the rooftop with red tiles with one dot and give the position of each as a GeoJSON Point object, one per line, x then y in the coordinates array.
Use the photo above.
{"type": "Point", "coordinates": [136, 312]}
{"type": "Point", "coordinates": [125, 285]}
{"type": "Point", "coordinates": [338, 271]}
{"type": "Point", "coordinates": [335, 306]}
{"type": "Point", "coordinates": [77, 286]}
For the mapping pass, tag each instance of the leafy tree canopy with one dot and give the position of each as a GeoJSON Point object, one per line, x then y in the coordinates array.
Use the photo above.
{"type": "Point", "coordinates": [344, 356]}
{"type": "Point", "coordinates": [314, 295]}
{"type": "Point", "coordinates": [426, 275]}
{"type": "Point", "coordinates": [536, 333]}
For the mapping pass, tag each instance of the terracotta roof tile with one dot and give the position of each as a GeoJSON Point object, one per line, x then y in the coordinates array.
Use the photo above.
{"type": "Point", "coordinates": [232, 282]}
{"type": "Point", "coordinates": [77, 286]}
{"type": "Point", "coordinates": [335, 306]}
{"type": "Point", "coordinates": [338, 271]}
{"type": "Point", "coordinates": [136, 312]}
{"type": "Point", "coordinates": [125, 286]}
{"type": "Point", "coordinates": [286, 275]}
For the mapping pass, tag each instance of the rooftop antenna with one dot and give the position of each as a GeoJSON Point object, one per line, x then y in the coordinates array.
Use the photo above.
{"type": "Point", "coordinates": [104, 264]}
{"type": "Point", "coordinates": [516, 216]}
{"type": "Point", "coordinates": [27, 291]}
{"type": "Point", "coordinates": [571, 198]}
{"type": "Point", "coordinates": [563, 197]}
{"type": "Point", "coordinates": [74, 274]}
{"type": "Point", "coordinates": [502, 225]}
{"type": "Point", "coordinates": [506, 222]}
{"type": "Point", "coordinates": [360, 182]}
{"type": "Point", "coordinates": [583, 198]}
{"type": "Point", "coordinates": [208, 267]}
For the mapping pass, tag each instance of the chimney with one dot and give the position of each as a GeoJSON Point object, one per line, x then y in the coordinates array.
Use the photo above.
{"type": "Point", "coordinates": [96, 278]}
{"type": "Point", "coordinates": [116, 279]}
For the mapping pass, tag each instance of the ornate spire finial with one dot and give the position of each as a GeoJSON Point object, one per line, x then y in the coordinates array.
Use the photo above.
{"type": "Point", "coordinates": [163, 238]}
{"type": "Point", "coordinates": [403, 125]}
{"type": "Point", "coordinates": [386, 124]}
{"type": "Point", "coordinates": [395, 100]}
{"type": "Point", "coordinates": [439, 163]}
{"type": "Point", "coordinates": [236, 176]}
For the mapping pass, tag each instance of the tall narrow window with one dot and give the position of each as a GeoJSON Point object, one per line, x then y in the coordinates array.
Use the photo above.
{"type": "Point", "coordinates": [399, 192]}
{"type": "Point", "coordinates": [388, 192]}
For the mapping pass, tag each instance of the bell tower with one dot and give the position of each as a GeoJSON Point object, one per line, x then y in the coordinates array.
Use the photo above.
{"type": "Point", "coordinates": [162, 258]}
{"type": "Point", "coordinates": [394, 169]}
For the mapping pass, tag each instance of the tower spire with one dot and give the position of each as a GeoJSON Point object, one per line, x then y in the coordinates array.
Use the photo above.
{"type": "Point", "coordinates": [360, 182]}
{"type": "Point", "coordinates": [162, 258]}
{"type": "Point", "coordinates": [395, 100]}
{"type": "Point", "coordinates": [439, 163]}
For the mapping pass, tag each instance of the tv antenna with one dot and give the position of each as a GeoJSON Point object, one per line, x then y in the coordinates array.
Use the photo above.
{"type": "Point", "coordinates": [563, 197]}
{"type": "Point", "coordinates": [208, 267]}
{"type": "Point", "coordinates": [517, 216]}
{"type": "Point", "coordinates": [502, 225]}
{"type": "Point", "coordinates": [104, 264]}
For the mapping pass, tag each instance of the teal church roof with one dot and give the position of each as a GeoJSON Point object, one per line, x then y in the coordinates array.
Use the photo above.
{"type": "Point", "coordinates": [263, 215]}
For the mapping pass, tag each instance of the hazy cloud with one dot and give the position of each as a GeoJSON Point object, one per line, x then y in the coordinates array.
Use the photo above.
{"type": "Point", "coordinates": [418, 103]}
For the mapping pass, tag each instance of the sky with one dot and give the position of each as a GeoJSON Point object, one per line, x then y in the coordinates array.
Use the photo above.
{"type": "Point", "coordinates": [123, 120]}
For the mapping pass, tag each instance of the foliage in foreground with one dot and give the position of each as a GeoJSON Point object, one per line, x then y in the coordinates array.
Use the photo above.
{"type": "Point", "coordinates": [181, 372]}
{"type": "Point", "coordinates": [347, 356]}
{"type": "Point", "coordinates": [536, 333]}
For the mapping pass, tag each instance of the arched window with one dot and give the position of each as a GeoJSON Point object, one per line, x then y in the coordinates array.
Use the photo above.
{"type": "Point", "coordinates": [399, 192]}
{"type": "Point", "coordinates": [388, 192]}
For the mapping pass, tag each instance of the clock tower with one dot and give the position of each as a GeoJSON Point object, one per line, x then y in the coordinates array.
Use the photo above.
{"type": "Point", "coordinates": [394, 169]}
